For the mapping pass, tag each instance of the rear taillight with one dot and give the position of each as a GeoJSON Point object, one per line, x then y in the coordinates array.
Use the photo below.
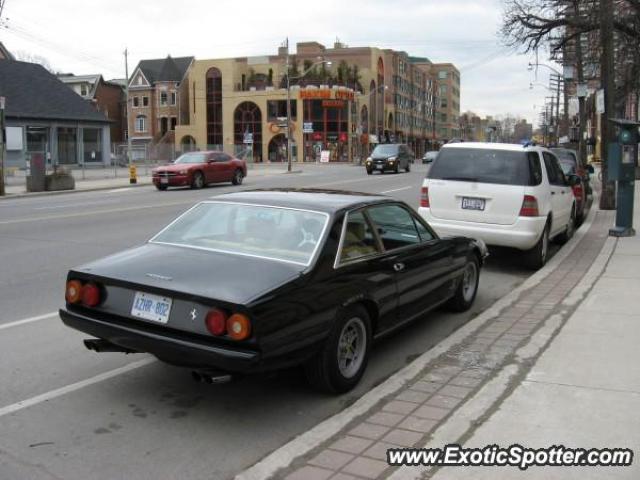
{"type": "Point", "coordinates": [238, 326]}
{"type": "Point", "coordinates": [216, 322]}
{"type": "Point", "coordinates": [529, 207]}
{"type": "Point", "coordinates": [424, 197]}
{"type": "Point", "coordinates": [73, 293]}
{"type": "Point", "coordinates": [577, 191]}
{"type": "Point", "coordinates": [91, 296]}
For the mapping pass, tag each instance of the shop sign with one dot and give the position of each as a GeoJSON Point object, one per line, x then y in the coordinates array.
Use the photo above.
{"type": "Point", "coordinates": [248, 138]}
{"type": "Point", "coordinates": [332, 103]}
{"type": "Point", "coordinates": [344, 95]}
{"type": "Point", "coordinates": [324, 156]}
{"type": "Point", "coordinates": [315, 94]}
{"type": "Point", "coordinates": [307, 127]}
{"type": "Point", "coordinates": [317, 136]}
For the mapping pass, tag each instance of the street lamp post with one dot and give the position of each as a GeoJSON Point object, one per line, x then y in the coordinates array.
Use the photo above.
{"type": "Point", "coordinates": [288, 83]}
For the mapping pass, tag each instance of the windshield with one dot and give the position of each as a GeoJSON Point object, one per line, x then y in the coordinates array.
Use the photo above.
{"type": "Point", "coordinates": [485, 165]}
{"type": "Point", "coordinates": [192, 158]}
{"type": "Point", "coordinates": [382, 150]}
{"type": "Point", "coordinates": [269, 232]}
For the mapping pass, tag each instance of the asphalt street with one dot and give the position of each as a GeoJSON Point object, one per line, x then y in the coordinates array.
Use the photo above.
{"type": "Point", "coordinates": [69, 413]}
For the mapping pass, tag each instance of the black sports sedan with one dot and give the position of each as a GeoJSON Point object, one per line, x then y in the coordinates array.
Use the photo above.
{"type": "Point", "coordinates": [261, 280]}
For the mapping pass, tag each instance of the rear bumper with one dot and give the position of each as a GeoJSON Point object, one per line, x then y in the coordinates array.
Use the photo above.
{"type": "Point", "coordinates": [179, 351]}
{"type": "Point", "coordinates": [523, 234]}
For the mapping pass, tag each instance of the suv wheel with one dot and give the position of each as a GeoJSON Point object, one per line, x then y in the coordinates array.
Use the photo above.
{"type": "Point", "coordinates": [536, 257]}
{"type": "Point", "coordinates": [570, 230]}
{"type": "Point", "coordinates": [407, 169]}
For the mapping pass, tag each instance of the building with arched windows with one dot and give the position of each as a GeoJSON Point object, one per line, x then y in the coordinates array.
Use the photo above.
{"type": "Point", "coordinates": [366, 96]}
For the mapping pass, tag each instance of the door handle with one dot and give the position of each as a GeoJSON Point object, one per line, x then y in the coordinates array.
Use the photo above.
{"type": "Point", "coordinates": [398, 267]}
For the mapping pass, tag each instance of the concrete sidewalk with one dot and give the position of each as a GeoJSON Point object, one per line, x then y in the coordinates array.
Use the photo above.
{"type": "Point", "coordinates": [556, 362]}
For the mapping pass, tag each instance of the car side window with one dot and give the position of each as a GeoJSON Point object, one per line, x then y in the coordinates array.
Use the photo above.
{"type": "Point", "coordinates": [425, 234]}
{"type": "Point", "coordinates": [562, 179]}
{"type": "Point", "coordinates": [552, 173]}
{"type": "Point", "coordinates": [358, 240]}
{"type": "Point", "coordinates": [395, 226]}
{"type": "Point", "coordinates": [535, 170]}
{"type": "Point", "coordinates": [221, 157]}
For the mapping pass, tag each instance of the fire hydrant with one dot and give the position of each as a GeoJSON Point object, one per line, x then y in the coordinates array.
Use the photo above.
{"type": "Point", "coordinates": [133, 178]}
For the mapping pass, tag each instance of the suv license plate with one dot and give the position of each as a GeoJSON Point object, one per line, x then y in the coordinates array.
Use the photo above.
{"type": "Point", "coordinates": [151, 307]}
{"type": "Point", "coordinates": [472, 203]}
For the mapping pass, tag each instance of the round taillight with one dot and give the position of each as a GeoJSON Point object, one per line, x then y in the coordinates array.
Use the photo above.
{"type": "Point", "coordinates": [90, 295]}
{"type": "Point", "coordinates": [216, 322]}
{"type": "Point", "coordinates": [73, 294]}
{"type": "Point", "coordinates": [238, 326]}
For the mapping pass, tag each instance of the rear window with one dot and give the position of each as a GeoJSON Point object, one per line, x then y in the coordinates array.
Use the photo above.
{"type": "Point", "coordinates": [487, 166]}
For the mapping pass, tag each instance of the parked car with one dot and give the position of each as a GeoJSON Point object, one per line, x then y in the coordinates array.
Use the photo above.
{"type": "Point", "coordinates": [390, 156]}
{"type": "Point", "coordinates": [429, 157]}
{"type": "Point", "coordinates": [197, 169]}
{"type": "Point", "coordinates": [507, 195]}
{"type": "Point", "coordinates": [262, 280]}
{"type": "Point", "coordinates": [572, 166]}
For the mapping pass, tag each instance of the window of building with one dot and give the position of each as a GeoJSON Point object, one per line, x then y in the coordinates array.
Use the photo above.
{"type": "Point", "coordinates": [443, 103]}
{"type": "Point", "coordinates": [442, 74]}
{"type": "Point", "coordinates": [141, 123]}
{"type": "Point", "coordinates": [173, 123]}
{"type": "Point", "coordinates": [278, 108]}
{"type": "Point", "coordinates": [136, 101]}
{"type": "Point", "coordinates": [214, 108]}
{"type": "Point", "coordinates": [145, 101]}
{"type": "Point", "coordinates": [83, 90]}
{"type": "Point", "coordinates": [173, 98]}
{"type": "Point", "coordinates": [443, 90]}
{"type": "Point", "coordinates": [163, 98]}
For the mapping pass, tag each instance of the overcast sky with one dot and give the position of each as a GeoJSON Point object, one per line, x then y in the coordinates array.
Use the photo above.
{"type": "Point", "coordinates": [90, 37]}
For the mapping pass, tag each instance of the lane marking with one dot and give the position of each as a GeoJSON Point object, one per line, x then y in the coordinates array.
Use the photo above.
{"type": "Point", "coordinates": [399, 189]}
{"type": "Point", "coordinates": [58, 392]}
{"type": "Point", "coordinates": [123, 189]}
{"type": "Point", "coordinates": [28, 320]}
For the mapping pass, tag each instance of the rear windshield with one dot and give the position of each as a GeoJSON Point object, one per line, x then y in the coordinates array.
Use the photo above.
{"type": "Point", "coordinates": [564, 155]}
{"type": "Point", "coordinates": [275, 233]}
{"type": "Point", "coordinates": [487, 166]}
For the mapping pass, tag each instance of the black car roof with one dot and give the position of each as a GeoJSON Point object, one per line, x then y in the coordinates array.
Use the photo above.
{"type": "Point", "coordinates": [328, 201]}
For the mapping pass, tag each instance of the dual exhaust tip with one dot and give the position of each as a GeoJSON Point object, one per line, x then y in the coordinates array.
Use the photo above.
{"type": "Point", "coordinates": [203, 376]}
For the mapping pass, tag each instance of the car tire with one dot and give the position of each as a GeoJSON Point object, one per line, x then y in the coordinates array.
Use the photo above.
{"type": "Point", "coordinates": [198, 180]}
{"type": "Point", "coordinates": [407, 169]}
{"type": "Point", "coordinates": [162, 188]}
{"type": "Point", "coordinates": [565, 236]}
{"type": "Point", "coordinates": [395, 170]}
{"type": "Point", "coordinates": [468, 286]}
{"type": "Point", "coordinates": [330, 370]}
{"type": "Point", "coordinates": [369, 171]}
{"type": "Point", "coordinates": [238, 176]}
{"type": "Point", "coordinates": [536, 257]}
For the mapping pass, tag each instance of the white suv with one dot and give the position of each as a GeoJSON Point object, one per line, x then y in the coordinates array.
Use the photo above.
{"type": "Point", "coordinates": [506, 195]}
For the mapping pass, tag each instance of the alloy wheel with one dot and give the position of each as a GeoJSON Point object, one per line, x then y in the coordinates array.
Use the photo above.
{"type": "Point", "coordinates": [469, 281]}
{"type": "Point", "coordinates": [352, 346]}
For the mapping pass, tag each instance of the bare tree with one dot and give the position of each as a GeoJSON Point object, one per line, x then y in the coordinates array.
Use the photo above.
{"type": "Point", "coordinates": [29, 57]}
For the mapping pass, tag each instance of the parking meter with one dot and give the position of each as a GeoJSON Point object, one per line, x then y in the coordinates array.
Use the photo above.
{"type": "Point", "coordinates": [622, 164]}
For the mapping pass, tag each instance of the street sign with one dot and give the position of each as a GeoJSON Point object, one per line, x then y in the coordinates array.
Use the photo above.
{"type": "Point", "coordinates": [307, 127]}
{"type": "Point", "coordinates": [248, 138]}
{"type": "Point", "coordinates": [600, 101]}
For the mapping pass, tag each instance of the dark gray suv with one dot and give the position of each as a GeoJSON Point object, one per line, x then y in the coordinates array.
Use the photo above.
{"type": "Point", "coordinates": [390, 157]}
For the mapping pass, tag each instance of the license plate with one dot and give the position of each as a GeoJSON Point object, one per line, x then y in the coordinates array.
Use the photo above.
{"type": "Point", "coordinates": [472, 203]}
{"type": "Point", "coordinates": [379, 167]}
{"type": "Point", "coordinates": [151, 307]}
{"type": "Point", "coordinates": [164, 180]}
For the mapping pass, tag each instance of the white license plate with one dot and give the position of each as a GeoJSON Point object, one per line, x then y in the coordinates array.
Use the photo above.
{"type": "Point", "coordinates": [472, 203]}
{"type": "Point", "coordinates": [379, 167]}
{"type": "Point", "coordinates": [151, 307]}
{"type": "Point", "coordinates": [164, 180]}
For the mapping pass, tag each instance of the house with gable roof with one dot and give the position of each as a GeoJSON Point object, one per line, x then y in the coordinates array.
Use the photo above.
{"type": "Point", "coordinates": [155, 90]}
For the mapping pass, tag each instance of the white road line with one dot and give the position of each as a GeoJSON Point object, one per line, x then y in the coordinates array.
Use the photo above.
{"type": "Point", "coordinates": [28, 320]}
{"type": "Point", "coordinates": [58, 392]}
{"type": "Point", "coordinates": [398, 189]}
{"type": "Point", "coordinates": [124, 189]}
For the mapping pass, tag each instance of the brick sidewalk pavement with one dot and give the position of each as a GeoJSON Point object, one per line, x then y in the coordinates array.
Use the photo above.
{"type": "Point", "coordinates": [412, 414]}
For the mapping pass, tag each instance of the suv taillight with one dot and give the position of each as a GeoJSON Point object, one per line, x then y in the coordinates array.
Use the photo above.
{"type": "Point", "coordinates": [424, 197]}
{"type": "Point", "coordinates": [529, 207]}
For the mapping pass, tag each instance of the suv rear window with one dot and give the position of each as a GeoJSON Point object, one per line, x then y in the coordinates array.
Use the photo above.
{"type": "Point", "coordinates": [487, 166]}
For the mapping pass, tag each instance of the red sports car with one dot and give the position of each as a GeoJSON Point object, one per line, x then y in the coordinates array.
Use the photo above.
{"type": "Point", "coordinates": [197, 169]}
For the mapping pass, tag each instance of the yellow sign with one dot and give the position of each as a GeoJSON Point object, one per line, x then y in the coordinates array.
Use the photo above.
{"type": "Point", "coordinates": [325, 94]}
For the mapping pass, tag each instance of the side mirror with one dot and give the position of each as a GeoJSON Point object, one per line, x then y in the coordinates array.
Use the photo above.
{"type": "Point", "coordinates": [590, 168]}
{"type": "Point", "coordinates": [573, 180]}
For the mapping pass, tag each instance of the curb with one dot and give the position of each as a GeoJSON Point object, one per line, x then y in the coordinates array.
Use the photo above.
{"type": "Point", "coordinates": [304, 443]}
{"type": "Point", "coordinates": [11, 196]}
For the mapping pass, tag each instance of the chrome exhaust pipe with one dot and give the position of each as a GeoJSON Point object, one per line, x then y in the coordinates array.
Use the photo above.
{"type": "Point", "coordinates": [211, 377]}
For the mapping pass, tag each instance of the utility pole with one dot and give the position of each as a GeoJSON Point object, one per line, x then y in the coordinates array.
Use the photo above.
{"type": "Point", "coordinates": [3, 139]}
{"type": "Point", "coordinates": [288, 110]}
{"type": "Point", "coordinates": [126, 72]}
{"type": "Point", "coordinates": [607, 133]}
{"type": "Point", "coordinates": [582, 117]}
